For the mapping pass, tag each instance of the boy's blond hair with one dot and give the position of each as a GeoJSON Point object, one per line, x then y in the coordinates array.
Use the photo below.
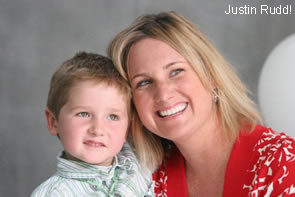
{"type": "Point", "coordinates": [83, 67]}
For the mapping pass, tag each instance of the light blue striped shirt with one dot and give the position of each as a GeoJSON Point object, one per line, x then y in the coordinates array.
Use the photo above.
{"type": "Point", "coordinates": [124, 178]}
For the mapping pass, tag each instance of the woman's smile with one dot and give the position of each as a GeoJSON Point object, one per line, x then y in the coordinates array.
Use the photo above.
{"type": "Point", "coordinates": [172, 111]}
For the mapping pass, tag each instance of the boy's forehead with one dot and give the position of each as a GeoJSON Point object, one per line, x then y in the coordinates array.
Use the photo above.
{"type": "Point", "coordinates": [121, 89]}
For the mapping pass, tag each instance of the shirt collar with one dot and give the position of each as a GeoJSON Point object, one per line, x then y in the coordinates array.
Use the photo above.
{"type": "Point", "coordinates": [81, 170]}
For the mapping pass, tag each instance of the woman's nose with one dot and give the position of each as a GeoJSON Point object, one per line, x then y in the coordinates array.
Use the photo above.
{"type": "Point", "coordinates": [163, 92]}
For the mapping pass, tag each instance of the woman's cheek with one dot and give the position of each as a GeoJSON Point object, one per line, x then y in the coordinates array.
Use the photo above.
{"type": "Point", "coordinates": [143, 98]}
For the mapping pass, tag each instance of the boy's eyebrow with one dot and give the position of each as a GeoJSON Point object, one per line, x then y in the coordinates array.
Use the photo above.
{"type": "Point", "coordinates": [77, 107]}
{"type": "Point", "coordinates": [117, 110]}
{"type": "Point", "coordinates": [111, 110]}
{"type": "Point", "coordinates": [164, 67]}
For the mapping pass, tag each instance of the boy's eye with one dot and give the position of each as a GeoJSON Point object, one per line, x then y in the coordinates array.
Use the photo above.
{"type": "Point", "coordinates": [83, 114]}
{"type": "Point", "coordinates": [176, 72]}
{"type": "Point", "coordinates": [143, 83]}
{"type": "Point", "coordinates": [113, 117]}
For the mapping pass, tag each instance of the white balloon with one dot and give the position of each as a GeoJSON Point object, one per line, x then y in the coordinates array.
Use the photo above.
{"type": "Point", "coordinates": [276, 87]}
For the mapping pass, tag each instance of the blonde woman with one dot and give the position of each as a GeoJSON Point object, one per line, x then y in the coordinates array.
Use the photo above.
{"type": "Point", "coordinates": [195, 124]}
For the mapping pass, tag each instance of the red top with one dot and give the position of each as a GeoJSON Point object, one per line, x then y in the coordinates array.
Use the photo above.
{"type": "Point", "coordinates": [262, 163]}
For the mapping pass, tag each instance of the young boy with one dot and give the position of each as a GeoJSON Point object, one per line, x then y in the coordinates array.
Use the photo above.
{"type": "Point", "coordinates": [88, 108]}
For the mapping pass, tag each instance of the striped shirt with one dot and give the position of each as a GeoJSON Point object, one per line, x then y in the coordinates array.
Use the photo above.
{"type": "Point", "coordinates": [124, 178]}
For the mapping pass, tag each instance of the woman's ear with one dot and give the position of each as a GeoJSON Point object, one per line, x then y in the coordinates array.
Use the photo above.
{"type": "Point", "coordinates": [51, 122]}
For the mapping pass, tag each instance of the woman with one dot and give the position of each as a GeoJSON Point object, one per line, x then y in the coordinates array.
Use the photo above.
{"type": "Point", "coordinates": [196, 124]}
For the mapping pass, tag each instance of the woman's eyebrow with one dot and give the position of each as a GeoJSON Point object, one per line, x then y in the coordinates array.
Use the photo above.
{"type": "Point", "coordinates": [166, 66]}
{"type": "Point", "coordinates": [137, 75]}
{"type": "Point", "coordinates": [172, 64]}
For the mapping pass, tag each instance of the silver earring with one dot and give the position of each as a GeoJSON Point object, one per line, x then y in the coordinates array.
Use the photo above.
{"type": "Point", "coordinates": [215, 95]}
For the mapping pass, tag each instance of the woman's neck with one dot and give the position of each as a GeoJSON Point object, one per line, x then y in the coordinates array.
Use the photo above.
{"type": "Point", "coordinates": [206, 155]}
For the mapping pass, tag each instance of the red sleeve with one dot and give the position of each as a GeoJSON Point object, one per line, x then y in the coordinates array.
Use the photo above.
{"type": "Point", "coordinates": [170, 178]}
{"type": "Point", "coordinates": [262, 163]}
{"type": "Point", "coordinates": [273, 172]}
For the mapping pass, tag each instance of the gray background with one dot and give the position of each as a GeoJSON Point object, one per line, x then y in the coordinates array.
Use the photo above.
{"type": "Point", "coordinates": [37, 35]}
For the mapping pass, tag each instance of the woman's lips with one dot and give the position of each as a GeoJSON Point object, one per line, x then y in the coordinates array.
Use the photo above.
{"type": "Point", "coordinates": [173, 110]}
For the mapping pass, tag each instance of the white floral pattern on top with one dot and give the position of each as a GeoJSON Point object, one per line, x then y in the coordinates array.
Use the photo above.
{"type": "Point", "coordinates": [161, 185]}
{"type": "Point", "coordinates": [276, 159]}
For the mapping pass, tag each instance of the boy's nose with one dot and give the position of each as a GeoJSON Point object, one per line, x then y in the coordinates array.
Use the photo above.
{"type": "Point", "coordinates": [96, 129]}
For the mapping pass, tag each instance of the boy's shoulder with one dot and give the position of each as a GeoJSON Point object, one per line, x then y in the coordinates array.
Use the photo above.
{"type": "Point", "coordinates": [127, 156]}
{"type": "Point", "coordinates": [59, 186]}
{"type": "Point", "coordinates": [137, 174]}
{"type": "Point", "coordinates": [127, 151]}
{"type": "Point", "coordinates": [50, 187]}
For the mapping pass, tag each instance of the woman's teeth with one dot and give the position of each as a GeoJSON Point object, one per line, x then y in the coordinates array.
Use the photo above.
{"type": "Point", "coordinates": [173, 110]}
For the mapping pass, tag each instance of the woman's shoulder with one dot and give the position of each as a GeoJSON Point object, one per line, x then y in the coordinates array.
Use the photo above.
{"type": "Point", "coordinates": [264, 141]}
{"type": "Point", "coordinates": [275, 148]}
{"type": "Point", "coordinates": [273, 163]}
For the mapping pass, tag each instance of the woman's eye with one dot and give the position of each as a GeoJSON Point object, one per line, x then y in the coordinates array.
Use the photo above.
{"type": "Point", "coordinates": [176, 72]}
{"type": "Point", "coordinates": [143, 83]}
{"type": "Point", "coordinates": [113, 117]}
{"type": "Point", "coordinates": [83, 114]}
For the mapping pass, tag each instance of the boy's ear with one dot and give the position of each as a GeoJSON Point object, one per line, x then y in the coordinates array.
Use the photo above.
{"type": "Point", "coordinates": [51, 122]}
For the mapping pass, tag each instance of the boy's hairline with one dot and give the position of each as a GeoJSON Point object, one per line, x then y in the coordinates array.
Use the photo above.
{"type": "Point", "coordinates": [108, 83]}
{"type": "Point", "coordinates": [73, 77]}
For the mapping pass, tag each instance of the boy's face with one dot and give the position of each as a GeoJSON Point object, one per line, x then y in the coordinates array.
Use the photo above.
{"type": "Point", "coordinates": [93, 124]}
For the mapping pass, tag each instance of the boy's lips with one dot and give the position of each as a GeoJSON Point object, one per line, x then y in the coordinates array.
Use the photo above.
{"type": "Point", "coordinates": [94, 144]}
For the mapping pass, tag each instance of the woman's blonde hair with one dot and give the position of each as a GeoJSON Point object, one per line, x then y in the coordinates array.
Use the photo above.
{"type": "Point", "coordinates": [235, 109]}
